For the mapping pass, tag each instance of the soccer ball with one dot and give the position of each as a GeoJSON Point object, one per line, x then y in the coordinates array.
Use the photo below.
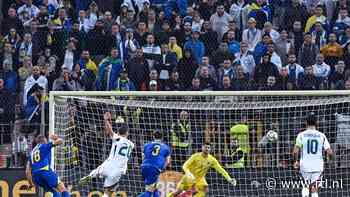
{"type": "Point", "coordinates": [272, 136]}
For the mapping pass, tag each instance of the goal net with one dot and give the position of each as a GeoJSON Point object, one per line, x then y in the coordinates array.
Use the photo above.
{"type": "Point", "coordinates": [252, 135]}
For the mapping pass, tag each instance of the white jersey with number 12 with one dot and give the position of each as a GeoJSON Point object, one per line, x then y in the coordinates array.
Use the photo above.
{"type": "Point", "coordinates": [120, 152]}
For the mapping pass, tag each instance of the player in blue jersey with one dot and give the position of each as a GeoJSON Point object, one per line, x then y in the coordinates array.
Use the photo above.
{"type": "Point", "coordinates": [156, 158]}
{"type": "Point", "coordinates": [38, 169]}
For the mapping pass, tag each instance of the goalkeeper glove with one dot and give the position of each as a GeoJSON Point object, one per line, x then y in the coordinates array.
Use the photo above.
{"type": "Point", "coordinates": [233, 182]}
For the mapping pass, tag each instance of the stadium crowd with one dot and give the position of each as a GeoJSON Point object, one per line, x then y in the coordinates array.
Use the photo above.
{"type": "Point", "coordinates": [157, 45]}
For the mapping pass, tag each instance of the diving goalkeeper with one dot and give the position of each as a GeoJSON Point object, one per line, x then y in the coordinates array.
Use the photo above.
{"type": "Point", "coordinates": [195, 168]}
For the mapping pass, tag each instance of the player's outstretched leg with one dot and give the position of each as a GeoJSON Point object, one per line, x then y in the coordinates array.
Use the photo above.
{"type": "Point", "coordinates": [94, 173]}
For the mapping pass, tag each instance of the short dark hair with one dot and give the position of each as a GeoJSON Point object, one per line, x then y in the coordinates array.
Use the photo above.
{"type": "Point", "coordinates": [311, 119]}
{"type": "Point", "coordinates": [157, 134]}
{"type": "Point", "coordinates": [206, 144]}
{"type": "Point", "coordinates": [123, 129]}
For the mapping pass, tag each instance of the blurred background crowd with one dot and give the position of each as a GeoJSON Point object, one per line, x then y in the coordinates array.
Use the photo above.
{"type": "Point", "coordinates": [166, 45]}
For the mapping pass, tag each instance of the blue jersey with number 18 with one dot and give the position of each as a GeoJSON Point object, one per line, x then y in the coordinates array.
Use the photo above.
{"type": "Point", "coordinates": [40, 157]}
{"type": "Point", "coordinates": [155, 154]}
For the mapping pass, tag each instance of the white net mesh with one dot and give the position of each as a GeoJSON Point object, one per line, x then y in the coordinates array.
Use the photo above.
{"type": "Point", "coordinates": [252, 136]}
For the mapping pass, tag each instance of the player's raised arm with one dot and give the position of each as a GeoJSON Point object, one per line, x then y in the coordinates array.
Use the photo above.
{"type": "Point", "coordinates": [29, 175]}
{"type": "Point", "coordinates": [108, 124]}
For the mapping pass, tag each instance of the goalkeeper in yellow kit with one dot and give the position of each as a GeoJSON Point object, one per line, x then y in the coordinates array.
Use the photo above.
{"type": "Point", "coordinates": [195, 168]}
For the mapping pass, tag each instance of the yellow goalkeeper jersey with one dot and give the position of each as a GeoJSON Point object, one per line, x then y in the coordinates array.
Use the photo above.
{"type": "Point", "coordinates": [199, 166]}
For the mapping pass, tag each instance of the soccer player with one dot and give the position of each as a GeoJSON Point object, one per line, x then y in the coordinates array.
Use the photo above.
{"type": "Point", "coordinates": [156, 158]}
{"type": "Point", "coordinates": [311, 143]}
{"type": "Point", "coordinates": [195, 168]}
{"type": "Point", "coordinates": [38, 170]}
{"type": "Point", "coordinates": [116, 164]}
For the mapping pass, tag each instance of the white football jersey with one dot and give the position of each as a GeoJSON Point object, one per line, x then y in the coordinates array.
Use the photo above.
{"type": "Point", "coordinates": [120, 152]}
{"type": "Point", "coordinates": [312, 144]}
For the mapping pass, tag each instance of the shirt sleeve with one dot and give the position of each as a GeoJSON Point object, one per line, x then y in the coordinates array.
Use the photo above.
{"type": "Point", "coordinates": [46, 148]}
{"type": "Point", "coordinates": [216, 165]}
{"type": "Point", "coordinates": [188, 164]}
{"type": "Point", "coordinates": [326, 144]}
{"type": "Point", "coordinates": [298, 142]}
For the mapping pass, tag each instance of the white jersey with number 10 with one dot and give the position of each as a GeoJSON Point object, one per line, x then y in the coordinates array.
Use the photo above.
{"type": "Point", "coordinates": [120, 152]}
{"type": "Point", "coordinates": [312, 144]}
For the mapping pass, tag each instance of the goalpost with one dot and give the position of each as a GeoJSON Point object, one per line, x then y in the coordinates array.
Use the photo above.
{"type": "Point", "coordinates": [252, 135]}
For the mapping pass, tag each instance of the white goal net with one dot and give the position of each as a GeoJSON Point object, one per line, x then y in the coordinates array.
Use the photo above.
{"type": "Point", "coordinates": [252, 135]}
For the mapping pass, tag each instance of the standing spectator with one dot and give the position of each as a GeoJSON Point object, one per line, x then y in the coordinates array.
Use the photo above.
{"type": "Point", "coordinates": [62, 21]}
{"type": "Point", "coordinates": [123, 83]}
{"type": "Point", "coordinates": [195, 85]}
{"type": "Point", "coordinates": [252, 35]}
{"type": "Point", "coordinates": [319, 35]}
{"type": "Point", "coordinates": [296, 12]}
{"type": "Point", "coordinates": [284, 46]}
{"type": "Point", "coordinates": [346, 57]}
{"type": "Point", "coordinates": [108, 21]}
{"type": "Point", "coordinates": [226, 70]}
{"type": "Point", "coordinates": [26, 45]}
{"type": "Point", "coordinates": [108, 71]}
{"type": "Point", "coordinates": [34, 78]}
{"type": "Point", "coordinates": [275, 58]}
{"type": "Point", "coordinates": [171, 5]}
{"type": "Point", "coordinates": [115, 38]}
{"type": "Point", "coordinates": [241, 81]}
{"type": "Point", "coordinates": [11, 22]}
{"type": "Point", "coordinates": [270, 85]}
{"type": "Point", "coordinates": [174, 47]}
{"type": "Point", "coordinates": [221, 53]}
{"type": "Point", "coordinates": [294, 70]}
{"type": "Point", "coordinates": [153, 80]}
{"type": "Point", "coordinates": [197, 21]}
{"type": "Point", "coordinates": [337, 77]}
{"type": "Point", "coordinates": [317, 17]}
{"type": "Point", "coordinates": [196, 46]}
{"type": "Point", "coordinates": [297, 36]}
{"type": "Point", "coordinates": [264, 70]}
{"type": "Point", "coordinates": [307, 80]}
{"type": "Point", "coordinates": [167, 64]}
{"type": "Point", "coordinates": [13, 38]}
{"type": "Point", "coordinates": [129, 46]}
{"type": "Point", "coordinates": [232, 27]}
{"type": "Point", "coordinates": [262, 12]}
{"type": "Point", "coordinates": [28, 11]}
{"type": "Point", "coordinates": [71, 56]}
{"type": "Point", "coordinates": [84, 23]}
{"type": "Point", "coordinates": [66, 83]}
{"type": "Point", "coordinates": [34, 104]}
{"type": "Point", "coordinates": [212, 70]}
{"type": "Point", "coordinates": [321, 70]}
{"type": "Point", "coordinates": [209, 38]}
{"type": "Point", "coordinates": [343, 21]}
{"type": "Point", "coordinates": [151, 51]}
{"type": "Point", "coordinates": [344, 38]}
{"type": "Point", "coordinates": [10, 77]}
{"type": "Point", "coordinates": [307, 52]}
{"type": "Point", "coordinates": [152, 23]}
{"type": "Point", "coordinates": [141, 33]}
{"type": "Point", "coordinates": [332, 51]}
{"type": "Point", "coordinates": [97, 35]}
{"type": "Point", "coordinates": [92, 14]}
{"type": "Point", "coordinates": [184, 34]}
{"type": "Point", "coordinates": [225, 84]}
{"type": "Point", "coordinates": [78, 36]}
{"type": "Point", "coordinates": [187, 68]}
{"type": "Point", "coordinates": [87, 70]}
{"type": "Point", "coordinates": [8, 54]}
{"type": "Point", "coordinates": [233, 45]}
{"type": "Point", "coordinates": [7, 115]}
{"type": "Point", "coordinates": [174, 83]}
{"type": "Point", "coordinates": [164, 34]}
{"type": "Point", "coordinates": [268, 29]}
{"type": "Point", "coordinates": [138, 69]}
{"type": "Point", "coordinates": [207, 83]}
{"type": "Point", "coordinates": [261, 48]}
{"type": "Point", "coordinates": [245, 58]}
{"type": "Point", "coordinates": [239, 12]}
{"type": "Point", "coordinates": [220, 20]}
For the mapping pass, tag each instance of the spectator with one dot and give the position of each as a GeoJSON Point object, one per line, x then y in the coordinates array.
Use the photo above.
{"type": "Point", "coordinates": [212, 70]}
{"type": "Point", "coordinates": [270, 85]}
{"type": "Point", "coordinates": [28, 11]}
{"type": "Point", "coordinates": [78, 36]}
{"type": "Point", "coordinates": [108, 71]}
{"type": "Point", "coordinates": [129, 46]}
{"type": "Point", "coordinates": [164, 33]}
{"type": "Point", "coordinates": [8, 54]}
{"type": "Point", "coordinates": [346, 57]}
{"type": "Point", "coordinates": [245, 58]}
{"type": "Point", "coordinates": [7, 115]}
{"type": "Point", "coordinates": [34, 78]}
{"type": "Point", "coordinates": [84, 22]}
{"type": "Point", "coordinates": [343, 21]}
{"type": "Point", "coordinates": [26, 45]}
{"type": "Point", "coordinates": [195, 85]}
{"type": "Point", "coordinates": [138, 69]}
{"type": "Point", "coordinates": [152, 23]}
{"type": "Point", "coordinates": [154, 78]}
{"type": "Point", "coordinates": [239, 12]}
{"type": "Point", "coordinates": [332, 51]}
{"type": "Point", "coordinates": [141, 33]}
{"type": "Point", "coordinates": [10, 78]}
{"type": "Point", "coordinates": [268, 29]}
{"type": "Point", "coordinates": [187, 68]}
{"type": "Point", "coordinates": [62, 21]}
{"type": "Point", "coordinates": [285, 82]}
{"type": "Point", "coordinates": [252, 35]}
{"type": "Point", "coordinates": [209, 38]}
{"type": "Point", "coordinates": [24, 71]}
{"type": "Point", "coordinates": [294, 70]}
{"type": "Point", "coordinates": [241, 81]}
{"type": "Point", "coordinates": [196, 46]}
{"type": "Point", "coordinates": [296, 12]}
{"type": "Point", "coordinates": [317, 17]}
{"type": "Point", "coordinates": [275, 58]}
{"type": "Point", "coordinates": [232, 27]}
{"type": "Point", "coordinates": [307, 80]}
{"type": "Point", "coordinates": [171, 5]}
{"type": "Point", "coordinates": [207, 83]}
{"type": "Point", "coordinates": [11, 22]}
{"type": "Point", "coordinates": [92, 14]}
{"type": "Point", "coordinates": [221, 53]}
{"type": "Point", "coordinates": [261, 48]}
{"type": "Point", "coordinates": [319, 35]}
{"type": "Point", "coordinates": [265, 69]}
{"type": "Point", "coordinates": [226, 70]}
{"type": "Point", "coordinates": [174, 83]}
{"type": "Point", "coordinates": [225, 84]}
{"type": "Point", "coordinates": [123, 83]}
{"type": "Point", "coordinates": [87, 70]}
{"type": "Point", "coordinates": [321, 70]}
{"type": "Point", "coordinates": [308, 52]}
{"type": "Point", "coordinates": [347, 84]}
{"type": "Point", "coordinates": [151, 51]}
{"type": "Point", "coordinates": [184, 34]}
{"type": "Point", "coordinates": [233, 45]}
{"type": "Point", "coordinates": [13, 38]}
{"type": "Point", "coordinates": [70, 57]}
{"type": "Point", "coordinates": [167, 64]}
{"type": "Point", "coordinates": [115, 37]}
{"type": "Point", "coordinates": [97, 35]}
{"type": "Point", "coordinates": [66, 83]}
{"type": "Point", "coordinates": [284, 46]}
{"type": "Point", "coordinates": [108, 21]}
{"type": "Point", "coordinates": [297, 36]}
{"type": "Point", "coordinates": [220, 20]}
{"type": "Point", "coordinates": [197, 21]}
{"type": "Point", "coordinates": [337, 77]}
{"type": "Point", "coordinates": [344, 39]}
{"type": "Point", "coordinates": [174, 47]}
{"type": "Point", "coordinates": [32, 107]}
